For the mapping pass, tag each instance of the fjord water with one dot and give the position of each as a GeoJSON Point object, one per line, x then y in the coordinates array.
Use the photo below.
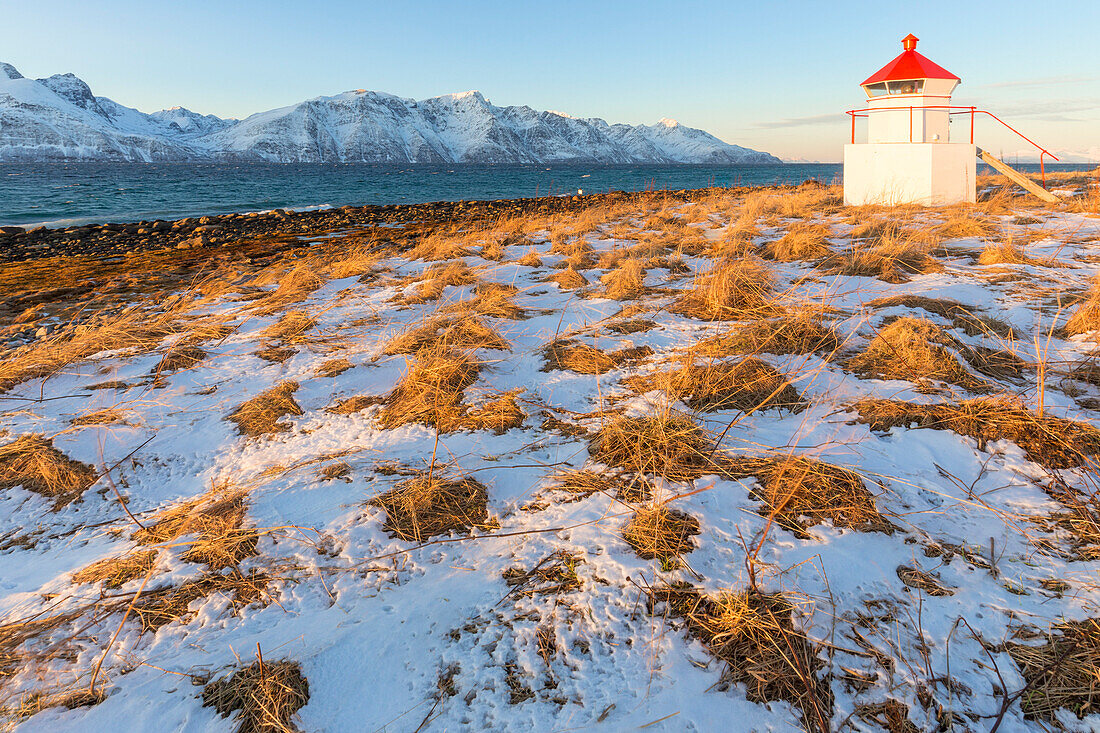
{"type": "Point", "coordinates": [63, 194]}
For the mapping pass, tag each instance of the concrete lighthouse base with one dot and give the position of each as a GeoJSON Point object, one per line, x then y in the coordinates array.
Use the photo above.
{"type": "Point", "coordinates": [930, 174]}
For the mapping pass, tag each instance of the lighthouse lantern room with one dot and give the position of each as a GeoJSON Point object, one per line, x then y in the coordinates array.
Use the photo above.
{"type": "Point", "coordinates": [909, 157]}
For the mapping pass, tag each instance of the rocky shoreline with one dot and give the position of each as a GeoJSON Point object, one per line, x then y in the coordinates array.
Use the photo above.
{"type": "Point", "coordinates": [17, 244]}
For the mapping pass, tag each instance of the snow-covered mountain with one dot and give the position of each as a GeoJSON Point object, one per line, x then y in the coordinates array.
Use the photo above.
{"type": "Point", "coordinates": [58, 118]}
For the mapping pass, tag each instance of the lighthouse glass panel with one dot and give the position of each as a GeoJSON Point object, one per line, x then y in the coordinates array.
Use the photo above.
{"type": "Point", "coordinates": [913, 86]}
{"type": "Point", "coordinates": [876, 90]}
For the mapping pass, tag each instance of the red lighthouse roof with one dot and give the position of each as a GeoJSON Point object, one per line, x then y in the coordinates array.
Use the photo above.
{"type": "Point", "coordinates": [909, 65]}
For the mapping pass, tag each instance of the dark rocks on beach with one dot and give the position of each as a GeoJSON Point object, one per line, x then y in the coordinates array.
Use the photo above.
{"type": "Point", "coordinates": [225, 229]}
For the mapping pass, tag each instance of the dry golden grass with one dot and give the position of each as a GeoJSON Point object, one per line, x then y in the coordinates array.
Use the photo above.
{"type": "Point", "coordinates": [891, 715]}
{"type": "Point", "coordinates": [895, 257]}
{"type": "Point", "coordinates": [911, 349]}
{"type": "Point", "coordinates": [64, 697]}
{"type": "Point", "coordinates": [1086, 317]}
{"type": "Point", "coordinates": [182, 355]}
{"type": "Point", "coordinates": [260, 415]}
{"type": "Point", "coordinates": [333, 368]}
{"type": "Point", "coordinates": [802, 242]}
{"type": "Point", "coordinates": [733, 290]}
{"type": "Point", "coordinates": [570, 355]}
{"type": "Point", "coordinates": [432, 504]}
{"type": "Point", "coordinates": [551, 576]}
{"type": "Point", "coordinates": [670, 444]}
{"type": "Point", "coordinates": [490, 299]}
{"type": "Point", "coordinates": [961, 316]}
{"type": "Point", "coordinates": [159, 607]}
{"type": "Point", "coordinates": [440, 246]}
{"type": "Point", "coordinates": [216, 519]}
{"type": "Point", "coordinates": [431, 390]}
{"type": "Point", "coordinates": [801, 492]}
{"type": "Point", "coordinates": [633, 325]}
{"type": "Point", "coordinates": [961, 224]}
{"type": "Point", "coordinates": [438, 277]}
{"type": "Point", "coordinates": [626, 282]}
{"type": "Point", "coordinates": [567, 279]}
{"type": "Point", "coordinates": [530, 259]}
{"type": "Point", "coordinates": [797, 333]}
{"type": "Point", "coordinates": [117, 571]}
{"type": "Point", "coordinates": [136, 328]}
{"type": "Point", "coordinates": [747, 385]}
{"type": "Point", "coordinates": [499, 414]}
{"type": "Point", "coordinates": [1049, 441]}
{"type": "Point", "coordinates": [291, 327]}
{"type": "Point", "coordinates": [108, 416]}
{"type": "Point", "coordinates": [754, 635]}
{"type": "Point", "coordinates": [923, 581]}
{"type": "Point", "coordinates": [354, 404]}
{"type": "Point", "coordinates": [1005, 252]}
{"type": "Point", "coordinates": [1062, 672]}
{"type": "Point", "coordinates": [31, 461]}
{"type": "Point", "coordinates": [459, 333]}
{"type": "Point", "coordinates": [265, 696]}
{"type": "Point", "coordinates": [295, 286]}
{"type": "Point", "coordinates": [657, 532]}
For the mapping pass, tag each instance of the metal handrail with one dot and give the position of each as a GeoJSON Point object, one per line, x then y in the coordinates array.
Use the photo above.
{"type": "Point", "coordinates": [854, 113]}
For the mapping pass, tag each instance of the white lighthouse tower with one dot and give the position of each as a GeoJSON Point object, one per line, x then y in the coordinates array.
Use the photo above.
{"type": "Point", "coordinates": [909, 157]}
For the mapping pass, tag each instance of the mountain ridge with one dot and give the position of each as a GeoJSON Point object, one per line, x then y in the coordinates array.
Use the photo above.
{"type": "Point", "coordinates": [58, 118]}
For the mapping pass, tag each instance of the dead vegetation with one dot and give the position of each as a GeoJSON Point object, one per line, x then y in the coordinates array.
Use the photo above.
{"type": "Point", "coordinates": [1061, 673]}
{"type": "Point", "coordinates": [574, 356]}
{"type": "Point", "coordinates": [180, 356]}
{"type": "Point", "coordinates": [733, 290]}
{"type": "Point", "coordinates": [895, 257]}
{"type": "Point", "coordinates": [567, 279]}
{"type": "Point", "coordinates": [1050, 441]}
{"type": "Point", "coordinates": [260, 415]}
{"type": "Point", "coordinates": [215, 521]}
{"type": "Point", "coordinates": [802, 242]}
{"type": "Point", "coordinates": [1086, 318]}
{"type": "Point", "coordinates": [668, 444]}
{"type": "Point", "coordinates": [961, 316]}
{"type": "Point", "coordinates": [117, 571]}
{"type": "Point", "coordinates": [291, 327]}
{"type": "Point", "coordinates": [657, 532]}
{"type": "Point", "coordinates": [626, 282]}
{"type": "Point", "coordinates": [430, 392]}
{"type": "Point", "coordinates": [553, 575]}
{"type": "Point", "coordinates": [912, 349]}
{"type": "Point", "coordinates": [32, 462]}
{"type": "Point", "coordinates": [747, 385]}
{"type": "Point", "coordinates": [799, 493]}
{"type": "Point", "coordinates": [431, 504]}
{"type": "Point", "coordinates": [333, 368]}
{"type": "Point", "coordinates": [264, 695]}
{"type": "Point", "coordinates": [797, 333]}
{"type": "Point", "coordinates": [156, 608]}
{"type": "Point", "coordinates": [754, 635]}
{"type": "Point", "coordinates": [459, 333]}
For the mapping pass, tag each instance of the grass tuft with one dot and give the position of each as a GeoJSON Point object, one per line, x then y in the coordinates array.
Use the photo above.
{"type": "Point", "coordinates": [265, 696]}
{"type": "Point", "coordinates": [260, 415]}
{"type": "Point", "coordinates": [431, 504]}
{"type": "Point", "coordinates": [32, 462]}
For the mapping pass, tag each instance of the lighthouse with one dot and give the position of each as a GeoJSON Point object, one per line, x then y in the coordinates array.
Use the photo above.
{"type": "Point", "coordinates": [909, 157]}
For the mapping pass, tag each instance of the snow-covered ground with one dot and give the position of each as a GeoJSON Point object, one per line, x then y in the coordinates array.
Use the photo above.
{"type": "Point", "coordinates": [377, 622]}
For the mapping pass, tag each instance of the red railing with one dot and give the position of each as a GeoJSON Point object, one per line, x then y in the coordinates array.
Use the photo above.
{"type": "Point", "coordinates": [854, 113]}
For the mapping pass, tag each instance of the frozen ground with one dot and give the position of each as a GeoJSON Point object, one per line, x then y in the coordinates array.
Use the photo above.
{"type": "Point", "coordinates": [398, 636]}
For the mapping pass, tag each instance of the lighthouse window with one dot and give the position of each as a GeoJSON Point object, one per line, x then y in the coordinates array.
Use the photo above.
{"type": "Point", "coordinates": [876, 90]}
{"type": "Point", "coordinates": [915, 86]}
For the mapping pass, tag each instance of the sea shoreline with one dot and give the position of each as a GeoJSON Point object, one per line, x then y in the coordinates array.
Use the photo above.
{"type": "Point", "coordinates": [219, 230]}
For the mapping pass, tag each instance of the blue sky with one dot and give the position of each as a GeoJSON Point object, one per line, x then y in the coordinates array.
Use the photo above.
{"type": "Point", "coordinates": [773, 76]}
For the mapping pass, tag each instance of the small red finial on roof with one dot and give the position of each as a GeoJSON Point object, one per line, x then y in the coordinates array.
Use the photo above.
{"type": "Point", "coordinates": [909, 43]}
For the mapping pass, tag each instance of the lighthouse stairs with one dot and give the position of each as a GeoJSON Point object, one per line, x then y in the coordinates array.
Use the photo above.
{"type": "Point", "coordinates": [1016, 177]}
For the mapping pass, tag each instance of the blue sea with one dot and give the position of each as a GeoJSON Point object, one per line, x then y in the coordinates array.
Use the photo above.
{"type": "Point", "coordinates": [64, 194]}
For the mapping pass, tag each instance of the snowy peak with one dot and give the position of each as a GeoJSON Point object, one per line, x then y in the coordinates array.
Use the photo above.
{"type": "Point", "coordinates": [70, 87]}
{"type": "Point", "coordinates": [59, 118]}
